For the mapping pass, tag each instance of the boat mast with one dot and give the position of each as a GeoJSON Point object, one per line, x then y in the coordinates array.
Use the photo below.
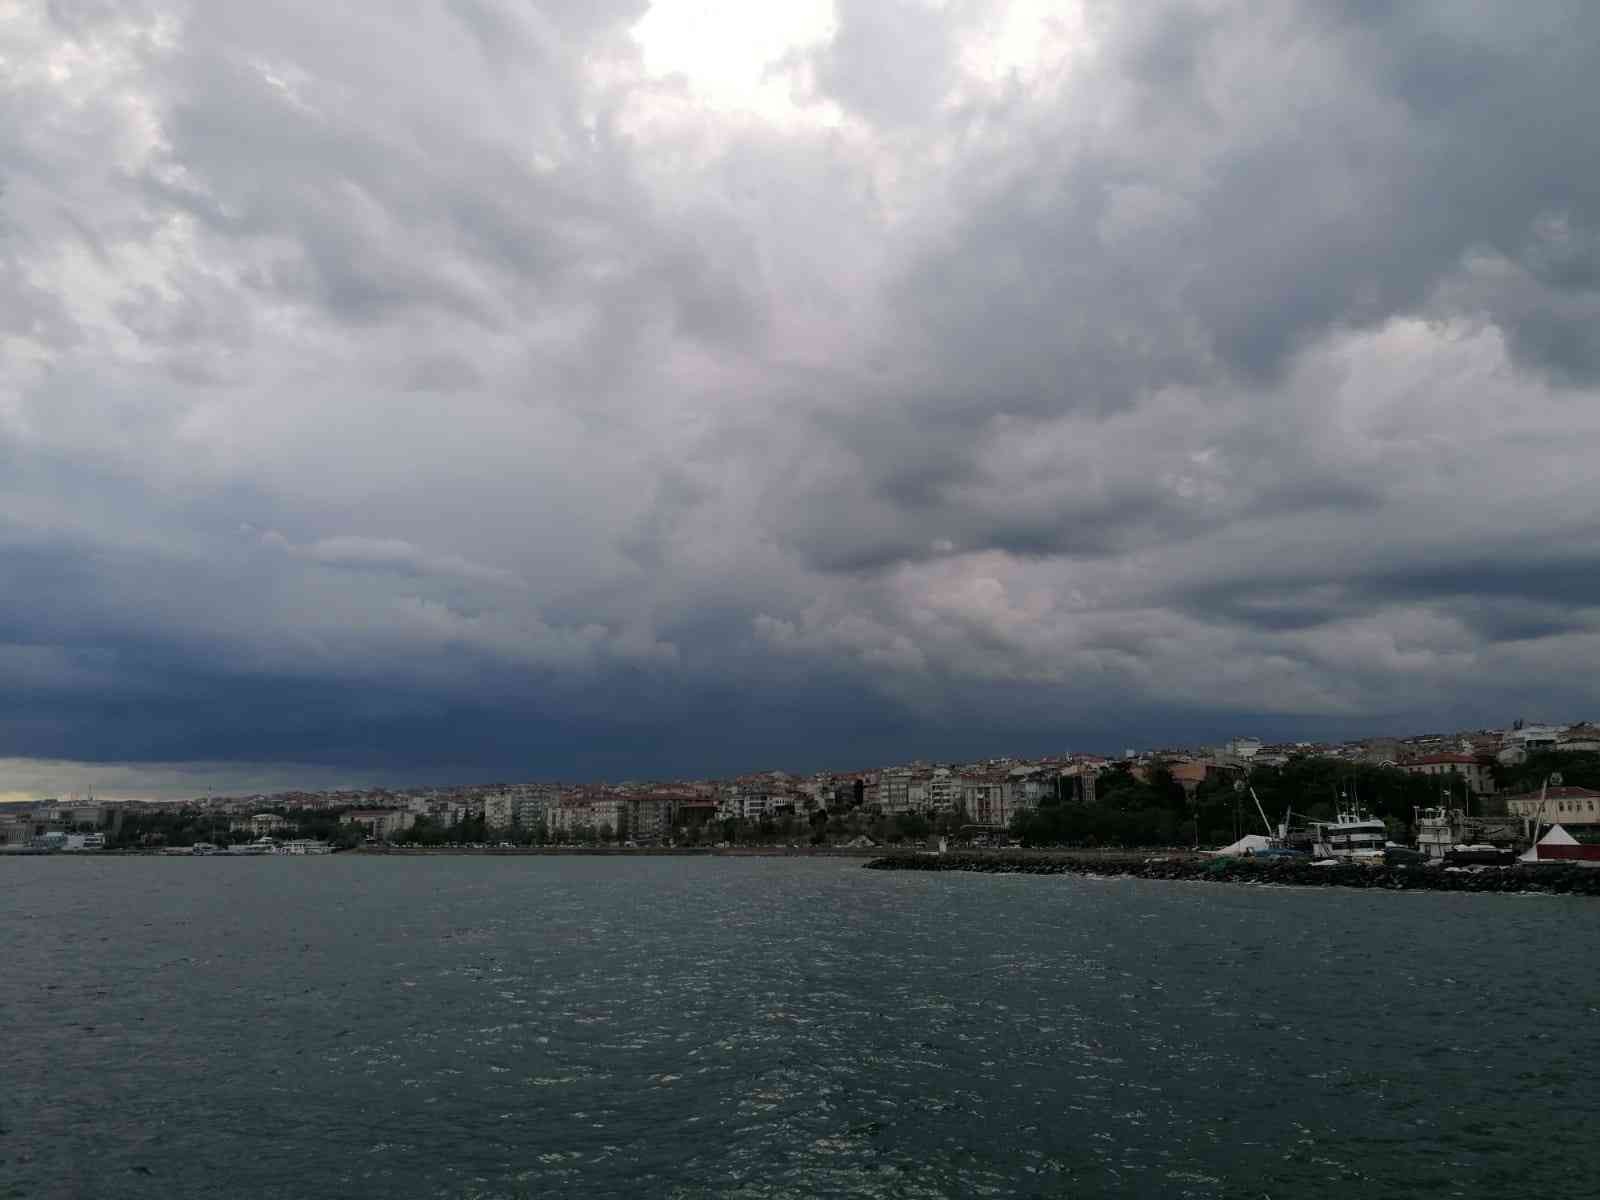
{"type": "Point", "coordinates": [1538, 813]}
{"type": "Point", "coordinates": [1266, 824]}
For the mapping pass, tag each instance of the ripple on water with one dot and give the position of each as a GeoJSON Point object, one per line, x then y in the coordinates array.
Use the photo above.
{"type": "Point", "coordinates": [696, 1028]}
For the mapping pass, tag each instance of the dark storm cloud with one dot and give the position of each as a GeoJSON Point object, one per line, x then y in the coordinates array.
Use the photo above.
{"type": "Point", "coordinates": [467, 389]}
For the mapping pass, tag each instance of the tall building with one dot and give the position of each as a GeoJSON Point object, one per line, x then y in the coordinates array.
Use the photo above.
{"type": "Point", "coordinates": [499, 810]}
{"type": "Point", "coordinates": [945, 790]}
{"type": "Point", "coordinates": [651, 816]}
{"type": "Point", "coordinates": [894, 790]}
{"type": "Point", "coordinates": [530, 802]}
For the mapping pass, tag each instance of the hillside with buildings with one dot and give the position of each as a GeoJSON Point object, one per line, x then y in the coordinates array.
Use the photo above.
{"type": "Point", "coordinates": [1163, 796]}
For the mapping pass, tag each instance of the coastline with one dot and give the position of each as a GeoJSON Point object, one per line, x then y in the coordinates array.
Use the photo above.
{"type": "Point", "coordinates": [1555, 880]}
{"type": "Point", "coordinates": [624, 851]}
{"type": "Point", "coordinates": [846, 852]}
{"type": "Point", "coordinates": [1172, 866]}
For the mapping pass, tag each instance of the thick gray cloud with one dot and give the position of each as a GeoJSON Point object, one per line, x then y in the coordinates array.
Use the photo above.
{"type": "Point", "coordinates": [580, 387]}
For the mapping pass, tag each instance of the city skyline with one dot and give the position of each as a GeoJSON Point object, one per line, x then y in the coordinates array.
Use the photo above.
{"type": "Point", "coordinates": [30, 782]}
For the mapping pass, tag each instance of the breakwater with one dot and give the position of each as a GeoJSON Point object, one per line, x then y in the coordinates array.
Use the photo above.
{"type": "Point", "coordinates": [1563, 880]}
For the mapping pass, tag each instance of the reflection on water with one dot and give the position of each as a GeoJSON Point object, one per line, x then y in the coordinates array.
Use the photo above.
{"type": "Point", "coordinates": [461, 1027]}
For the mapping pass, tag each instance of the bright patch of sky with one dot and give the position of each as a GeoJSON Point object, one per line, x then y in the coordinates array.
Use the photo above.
{"type": "Point", "coordinates": [737, 57]}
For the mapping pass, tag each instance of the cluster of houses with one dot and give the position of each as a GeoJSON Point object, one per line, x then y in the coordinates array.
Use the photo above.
{"type": "Point", "coordinates": [987, 795]}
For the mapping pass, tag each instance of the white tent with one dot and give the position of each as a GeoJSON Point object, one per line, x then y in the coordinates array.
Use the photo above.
{"type": "Point", "coordinates": [1556, 836]}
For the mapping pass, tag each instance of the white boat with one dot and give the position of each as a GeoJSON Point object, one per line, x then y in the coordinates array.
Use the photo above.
{"type": "Point", "coordinates": [1350, 836]}
{"type": "Point", "coordinates": [264, 846]}
{"type": "Point", "coordinates": [1438, 830]}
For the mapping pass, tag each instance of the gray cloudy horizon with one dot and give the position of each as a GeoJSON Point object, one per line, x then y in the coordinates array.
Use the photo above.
{"type": "Point", "coordinates": [598, 388]}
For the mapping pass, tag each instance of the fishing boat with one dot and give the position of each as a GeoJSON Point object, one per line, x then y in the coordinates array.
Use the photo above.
{"type": "Point", "coordinates": [1438, 830]}
{"type": "Point", "coordinates": [1351, 836]}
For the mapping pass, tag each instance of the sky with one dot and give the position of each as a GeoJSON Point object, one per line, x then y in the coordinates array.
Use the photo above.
{"type": "Point", "coordinates": [604, 389]}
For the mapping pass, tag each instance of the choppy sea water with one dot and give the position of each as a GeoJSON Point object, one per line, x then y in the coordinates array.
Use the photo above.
{"type": "Point", "coordinates": [681, 1027]}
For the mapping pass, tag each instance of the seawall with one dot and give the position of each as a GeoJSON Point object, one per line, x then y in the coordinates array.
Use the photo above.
{"type": "Point", "coordinates": [1563, 880]}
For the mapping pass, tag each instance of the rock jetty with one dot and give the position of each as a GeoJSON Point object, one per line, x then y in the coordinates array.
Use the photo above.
{"type": "Point", "coordinates": [1563, 880]}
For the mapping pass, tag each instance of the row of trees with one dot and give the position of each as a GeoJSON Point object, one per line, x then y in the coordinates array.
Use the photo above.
{"type": "Point", "coordinates": [1127, 811]}
{"type": "Point", "coordinates": [1574, 768]}
{"type": "Point", "coordinates": [1156, 810]}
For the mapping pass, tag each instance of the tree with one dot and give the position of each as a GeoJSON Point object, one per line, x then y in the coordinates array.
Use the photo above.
{"type": "Point", "coordinates": [1576, 768]}
{"type": "Point", "coordinates": [347, 837]}
{"type": "Point", "coordinates": [914, 826]}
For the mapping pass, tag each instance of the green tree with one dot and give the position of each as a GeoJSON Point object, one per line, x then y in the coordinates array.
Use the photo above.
{"type": "Point", "coordinates": [1576, 768]}
{"type": "Point", "coordinates": [914, 826]}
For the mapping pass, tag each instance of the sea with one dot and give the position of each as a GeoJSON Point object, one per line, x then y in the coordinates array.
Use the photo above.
{"type": "Point", "coordinates": [541, 1026]}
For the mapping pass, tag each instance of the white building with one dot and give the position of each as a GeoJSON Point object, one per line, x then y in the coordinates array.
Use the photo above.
{"type": "Point", "coordinates": [894, 790]}
{"type": "Point", "coordinates": [1029, 786]}
{"type": "Point", "coordinates": [1476, 775]}
{"type": "Point", "coordinates": [1571, 806]}
{"type": "Point", "coordinates": [1538, 737]}
{"type": "Point", "coordinates": [380, 823]}
{"type": "Point", "coordinates": [499, 811]}
{"type": "Point", "coordinates": [529, 803]}
{"type": "Point", "coordinates": [754, 805]}
{"type": "Point", "coordinates": [598, 812]}
{"type": "Point", "coordinates": [1244, 747]}
{"type": "Point", "coordinates": [260, 825]}
{"type": "Point", "coordinates": [987, 800]}
{"type": "Point", "coordinates": [946, 791]}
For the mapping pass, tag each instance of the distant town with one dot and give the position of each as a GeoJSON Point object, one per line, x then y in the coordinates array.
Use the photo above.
{"type": "Point", "coordinates": [1490, 782]}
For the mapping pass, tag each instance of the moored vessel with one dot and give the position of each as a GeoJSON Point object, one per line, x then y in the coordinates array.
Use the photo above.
{"type": "Point", "coordinates": [1438, 831]}
{"type": "Point", "coordinates": [1351, 837]}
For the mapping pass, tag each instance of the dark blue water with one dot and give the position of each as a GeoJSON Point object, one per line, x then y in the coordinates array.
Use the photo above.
{"type": "Point", "coordinates": [463, 1027]}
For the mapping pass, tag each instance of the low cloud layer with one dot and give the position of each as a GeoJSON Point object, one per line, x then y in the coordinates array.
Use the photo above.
{"type": "Point", "coordinates": [599, 388]}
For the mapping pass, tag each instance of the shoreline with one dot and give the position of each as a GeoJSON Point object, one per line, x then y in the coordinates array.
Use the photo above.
{"type": "Point", "coordinates": [1551, 879]}
{"type": "Point", "coordinates": [851, 852]}
{"type": "Point", "coordinates": [1176, 865]}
